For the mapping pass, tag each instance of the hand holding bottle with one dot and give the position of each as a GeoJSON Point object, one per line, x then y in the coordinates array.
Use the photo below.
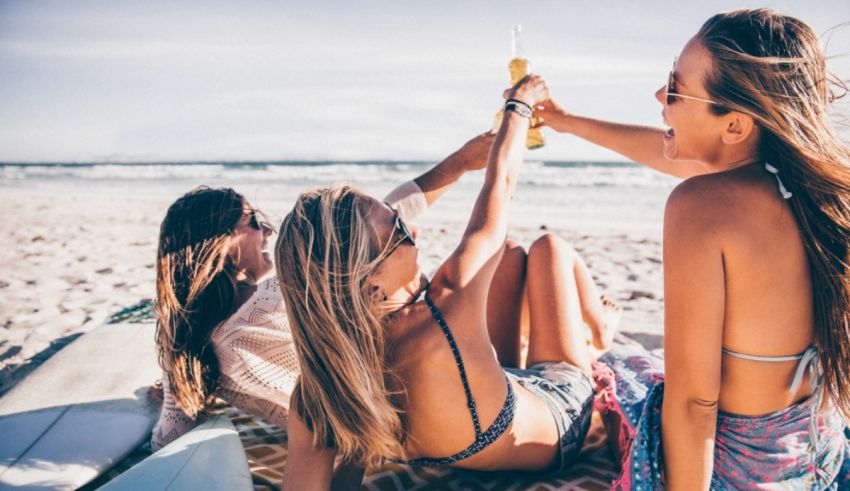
{"type": "Point", "coordinates": [551, 114]}
{"type": "Point", "coordinates": [531, 90]}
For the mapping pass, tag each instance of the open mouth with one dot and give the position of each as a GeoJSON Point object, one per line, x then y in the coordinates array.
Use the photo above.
{"type": "Point", "coordinates": [669, 133]}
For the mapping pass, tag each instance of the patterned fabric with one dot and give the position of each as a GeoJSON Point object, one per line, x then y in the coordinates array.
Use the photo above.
{"type": "Point", "coordinates": [751, 452]}
{"type": "Point", "coordinates": [483, 439]}
{"type": "Point", "coordinates": [140, 313]}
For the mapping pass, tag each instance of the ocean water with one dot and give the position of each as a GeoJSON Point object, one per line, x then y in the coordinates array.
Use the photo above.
{"type": "Point", "coordinates": [592, 197]}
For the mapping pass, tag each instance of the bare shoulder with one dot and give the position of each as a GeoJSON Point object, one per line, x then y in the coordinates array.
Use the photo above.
{"type": "Point", "coordinates": [714, 205]}
{"type": "Point", "coordinates": [415, 336]}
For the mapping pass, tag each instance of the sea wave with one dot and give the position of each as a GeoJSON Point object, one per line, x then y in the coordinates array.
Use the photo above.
{"type": "Point", "coordinates": [534, 174]}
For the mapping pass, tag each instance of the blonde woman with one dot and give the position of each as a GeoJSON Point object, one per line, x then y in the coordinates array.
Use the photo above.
{"type": "Point", "coordinates": [397, 367]}
{"type": "Point", "coordinates": [756, 267]}
{"type": "Point", "coordinates": [222, 327]}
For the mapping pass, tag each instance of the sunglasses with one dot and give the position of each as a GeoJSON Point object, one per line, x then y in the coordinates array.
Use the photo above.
{"type": "Point", "coordinates": [401, 233]}
{"type": "Point", "coordinates": [672, 94]}
{"type": "Point", "coordinates": [257, 220]}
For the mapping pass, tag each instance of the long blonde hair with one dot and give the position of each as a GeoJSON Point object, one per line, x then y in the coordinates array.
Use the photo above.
{"type": "Point", "coordinates": [196, 289]}
{"type": "Point", "coordinates": [772, 67]}
{"type": "Point", "coordinates": [325, 253]}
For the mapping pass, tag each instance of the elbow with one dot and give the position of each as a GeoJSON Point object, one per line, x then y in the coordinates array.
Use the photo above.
{"type": "Point", "coordinates": [694, 407]}
{"type": "Point", "coordinates": [700, 414]}
{"type": "Point", "coordinates": [704, 406]}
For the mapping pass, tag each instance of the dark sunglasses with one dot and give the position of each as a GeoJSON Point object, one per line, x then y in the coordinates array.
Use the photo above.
{"type": "Point", "coordinates": [257, 220]}
{"type": "Point", "coordinates": [401, 234]}
{"type": "Point", "coordinates": [672, 94]}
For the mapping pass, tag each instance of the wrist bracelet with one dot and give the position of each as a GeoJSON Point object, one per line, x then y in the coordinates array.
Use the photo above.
{"type": "Point", "coordinates": [520, 102]}
{"type": "Point", "coordinates": [518, 107]}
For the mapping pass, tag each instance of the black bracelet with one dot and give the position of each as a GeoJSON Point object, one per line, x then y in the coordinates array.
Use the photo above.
{"type": "Point", "coordinates": [520, 102]}
{"type": "Point", "coordinates": [518, 107]}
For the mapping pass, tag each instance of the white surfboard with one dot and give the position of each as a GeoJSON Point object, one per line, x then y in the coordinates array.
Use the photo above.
{"type": "Point", "coordinates": [210, 457]}
{"type": "Point", "coordinates": [81, 412]}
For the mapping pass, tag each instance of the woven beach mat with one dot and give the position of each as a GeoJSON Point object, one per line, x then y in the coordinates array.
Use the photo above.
{"type": "Point", "coordinates": [265, 448]}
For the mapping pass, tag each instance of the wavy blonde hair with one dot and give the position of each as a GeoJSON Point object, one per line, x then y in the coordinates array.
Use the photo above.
{"type": "Point", "coordinates": [325, 253]}
{"type": "Point", "coordinates": [772, 67]}
{"type": "Point", "coordinates": [196, 290]}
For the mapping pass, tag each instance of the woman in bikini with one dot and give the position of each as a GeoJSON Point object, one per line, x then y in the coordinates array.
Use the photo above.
{"type": "Point", "coordinates": [222, 329]}
{"type": "Point", "coordinates": [756, 268]}
{"type": "Point", "coordinates": [399, 367]}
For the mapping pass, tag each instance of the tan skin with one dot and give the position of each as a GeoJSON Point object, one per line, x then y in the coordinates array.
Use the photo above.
{"type": "Point", "coordinates": [439, 420]}
{"type": "Point", "coordinates": [735, 269]}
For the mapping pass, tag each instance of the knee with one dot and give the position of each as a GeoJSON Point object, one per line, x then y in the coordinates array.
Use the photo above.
{"type": "Point", "coordinates": [514, 253]}
{"type": "Point", "coordinates": [513, 262]}
{"type": "Point", "coordinates": [548, 246]}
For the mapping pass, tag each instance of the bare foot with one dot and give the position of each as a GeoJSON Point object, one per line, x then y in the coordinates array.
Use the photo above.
{"type": "Point", "coordinates": [603, 334]}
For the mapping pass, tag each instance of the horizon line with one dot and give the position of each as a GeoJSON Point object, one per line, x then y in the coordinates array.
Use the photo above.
{"type": "Point", "coordinates": [282, 162]}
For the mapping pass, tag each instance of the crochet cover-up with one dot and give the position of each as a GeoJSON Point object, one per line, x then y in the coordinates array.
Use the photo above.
{"type": "Point", "coordinates": [257, 362]}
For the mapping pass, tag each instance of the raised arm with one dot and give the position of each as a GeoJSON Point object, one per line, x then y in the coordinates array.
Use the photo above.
{"type": "Point", "coordinates": [485, 233]}
{"type": "Point", "coordinates": [642, 144]}
{"type": "Point", "coordinates": [694, 304]}
{"type": "Point", "coordinates": [411, 198]}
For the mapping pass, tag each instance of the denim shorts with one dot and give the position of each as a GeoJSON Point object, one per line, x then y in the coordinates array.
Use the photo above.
{"type": "Point", "coordinates": [568, 392]}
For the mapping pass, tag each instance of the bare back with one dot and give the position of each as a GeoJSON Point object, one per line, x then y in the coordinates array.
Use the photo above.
{"type": "Point", "coordinates": [438, 417]}
{"type": "Point", "coordinates": [767, 291]}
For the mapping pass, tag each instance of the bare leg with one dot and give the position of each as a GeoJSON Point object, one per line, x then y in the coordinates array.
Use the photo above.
{"type": "Point", "coordinates": [505, 305]}
{"type": "Point", "coordinates": [557, 330]}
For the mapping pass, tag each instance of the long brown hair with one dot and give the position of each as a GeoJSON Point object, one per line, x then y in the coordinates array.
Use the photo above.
{"type": "Point", "coordinates": [772, 67]}
{"type": "Point", "coordinates": [325, 253]}
{"type": "Point", "coordinates": [196, 289]}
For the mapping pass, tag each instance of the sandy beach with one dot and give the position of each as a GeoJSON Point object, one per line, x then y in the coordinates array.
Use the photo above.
{"type": "Point", "coordinates": [75, 250]}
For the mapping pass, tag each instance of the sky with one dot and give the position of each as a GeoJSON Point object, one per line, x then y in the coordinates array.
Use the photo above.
{"type": "Point", "coordinates": [125, 81]}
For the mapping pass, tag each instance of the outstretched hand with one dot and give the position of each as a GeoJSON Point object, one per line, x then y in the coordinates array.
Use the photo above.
{"type": "Point", "coordinates": [549, 113]}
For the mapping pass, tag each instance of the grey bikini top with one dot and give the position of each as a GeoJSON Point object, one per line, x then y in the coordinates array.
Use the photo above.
{"type": "Point", "coordinates": [808, 363]}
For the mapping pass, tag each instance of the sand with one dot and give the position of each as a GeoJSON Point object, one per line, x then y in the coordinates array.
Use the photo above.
{"type": "Point", "coordinates": [73, 254]}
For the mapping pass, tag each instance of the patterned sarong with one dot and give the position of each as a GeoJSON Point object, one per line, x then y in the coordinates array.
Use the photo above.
{"type": "Point", "coordinates": [771, 451]}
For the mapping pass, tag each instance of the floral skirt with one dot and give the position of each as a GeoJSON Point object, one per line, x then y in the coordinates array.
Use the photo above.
{"type": "Point", "coordinates": [770, 451]}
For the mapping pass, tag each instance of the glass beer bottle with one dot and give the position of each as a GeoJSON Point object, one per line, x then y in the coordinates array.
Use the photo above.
{"type": "Point", "coordinates": [518, 68]}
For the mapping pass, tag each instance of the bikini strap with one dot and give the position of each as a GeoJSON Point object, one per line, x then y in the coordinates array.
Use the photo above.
{"type": "Point", "coordinates": [470, 402]}
{"type": "Point", "coordinates": [810, 362]}
{"type": "Point", "coordinates": [782, 190]}
{"type": "Point", "coordinates": [764, 358]}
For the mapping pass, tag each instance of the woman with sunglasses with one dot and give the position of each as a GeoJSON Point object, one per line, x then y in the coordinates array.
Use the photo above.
{"type": "Point", "coordinates": [222, 330]}
{"type": "Point", "coordinates": [756, 268]}
{"type": "Point", "coordinates": [397, 367]}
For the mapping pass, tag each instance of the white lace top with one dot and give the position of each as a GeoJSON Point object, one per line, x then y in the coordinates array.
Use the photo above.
{"type": "Point", "coordinates": [256, 356]}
